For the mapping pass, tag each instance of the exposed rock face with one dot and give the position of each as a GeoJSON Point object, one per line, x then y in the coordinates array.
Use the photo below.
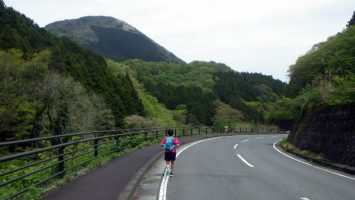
{"type": "Point", "coordinates": [329, 131]}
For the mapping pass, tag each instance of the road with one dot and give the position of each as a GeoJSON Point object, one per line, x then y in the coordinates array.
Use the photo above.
{"type": "Point", "coordinates": [249, 168]}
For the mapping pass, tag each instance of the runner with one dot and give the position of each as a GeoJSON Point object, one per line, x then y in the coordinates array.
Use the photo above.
{"type": "Point", "coordinates": [226, 129]}
{"type": "Point", "coordinates": [170, 143]}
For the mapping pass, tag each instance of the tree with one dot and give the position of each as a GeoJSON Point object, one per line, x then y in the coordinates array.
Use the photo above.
{"type": "Point", "coordinates": [69, 59]}
{"type": "Point", "coordinates": [352, 20]}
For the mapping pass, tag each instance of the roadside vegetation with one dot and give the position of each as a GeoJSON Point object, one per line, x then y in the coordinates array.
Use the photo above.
{"type": "Point", "coordinates": [306, 153]}
{"type": "Point", "coordinates": [324, 76]}
{"type": "Point", "coordinates": [76, 165]}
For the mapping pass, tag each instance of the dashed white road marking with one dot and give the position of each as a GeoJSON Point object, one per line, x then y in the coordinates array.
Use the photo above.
{"type": "Point", "coordinates": [194, 144]}
{"type": "Point", "coordinates": [304, 198]}
{"type": "Point", "coordinates": [245, 140]}
{"type": "Point", "coordinates": [274, 145]}
{"type": "Point", "coordinates": [246, 162]}
{"type": "Point", "coordinates": [235, 146]}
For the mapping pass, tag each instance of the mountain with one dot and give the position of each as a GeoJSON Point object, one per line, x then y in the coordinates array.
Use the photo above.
{"type": "Point", "coordinates": [112, 38]}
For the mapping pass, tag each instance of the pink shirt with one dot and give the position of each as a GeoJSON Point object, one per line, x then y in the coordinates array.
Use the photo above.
{"type": "Point", "coordinates": [175, 142]}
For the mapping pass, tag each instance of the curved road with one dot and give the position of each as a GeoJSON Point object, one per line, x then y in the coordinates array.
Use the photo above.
{"type": "Point", "coordinates": [249, 168]}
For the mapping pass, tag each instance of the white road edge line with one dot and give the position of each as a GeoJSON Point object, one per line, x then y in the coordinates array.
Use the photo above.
{"type": "Point", "coordinates": [235, 146]}
{"type": "Point", "coordinates": [274, 145]}
{"type": "Point", "coordinates": [246, 162]}
{"type": "Point", "coordinates": [164, 182]}
{"type": "Point", "coordinates": [245, 140]}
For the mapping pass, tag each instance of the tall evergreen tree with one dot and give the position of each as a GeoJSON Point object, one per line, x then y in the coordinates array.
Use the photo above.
{"type": "Point", "coordinates": [352, 20]}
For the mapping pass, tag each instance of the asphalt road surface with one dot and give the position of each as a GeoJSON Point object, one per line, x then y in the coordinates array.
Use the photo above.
{"type": "Point", "coordinates": [250, 168]}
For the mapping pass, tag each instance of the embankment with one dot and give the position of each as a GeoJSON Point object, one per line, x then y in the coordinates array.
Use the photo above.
{"type": "Point", "coordinates": [328, 131]}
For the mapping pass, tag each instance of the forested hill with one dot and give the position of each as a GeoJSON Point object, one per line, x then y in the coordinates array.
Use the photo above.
{"type": "Point", "coordinates": [323, 85]}
{"type": "Point", "coordinates": [333, 58]}
{"type": "Point", "coordinates": [51, 84]}
{"type": "Point", "coordinates": [204, 88]}
{"type": "Point", "coordinates": [237, 89]}
{"type": "Point", "coordinates": [324, 76]}
{"type": "Point", "coordinates": [112, 38]}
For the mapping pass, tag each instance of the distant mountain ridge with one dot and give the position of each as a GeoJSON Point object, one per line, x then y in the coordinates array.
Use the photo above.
{"type": "Point", "coordinates": [112, 38]}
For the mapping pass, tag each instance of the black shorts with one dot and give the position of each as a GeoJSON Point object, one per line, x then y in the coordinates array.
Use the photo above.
{"type": "Point", "coordinates": [170, 156]}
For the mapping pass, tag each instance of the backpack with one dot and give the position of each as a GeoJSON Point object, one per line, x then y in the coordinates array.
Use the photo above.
{"type": "Point", "coordinates": [169, 144]}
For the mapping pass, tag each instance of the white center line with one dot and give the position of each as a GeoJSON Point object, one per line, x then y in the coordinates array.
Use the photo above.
{"type": "Point", "coordinates": [246, 162]}
{"type": "Point", "coordinates": [235, 146]}
{"type": "Point", "coordinates": [245, 140]}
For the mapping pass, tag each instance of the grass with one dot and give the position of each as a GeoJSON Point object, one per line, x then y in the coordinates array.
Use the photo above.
{"type": "Point", "coordinates": [306, 153]}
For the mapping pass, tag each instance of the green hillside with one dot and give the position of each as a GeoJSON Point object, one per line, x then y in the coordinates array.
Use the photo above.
{"type": "Point", "coordinates": [157, 115]}
{"type": "Point", "coordinates": [111, 38]}
{"type": "Point", "coordinates": [324, 76]}
{"type": "Point", "coordinates": [196, 86]}
{"type": "Point", "coordinates": [23, 43]}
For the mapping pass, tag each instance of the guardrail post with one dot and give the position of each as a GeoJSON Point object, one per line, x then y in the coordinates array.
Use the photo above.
{"type": "Point", "coordinates": [183, 131]}
{"type": "Point", "coordinates": [199, 130]}
{"type": "Point", "coordinates": [206, 131]}
{"type": "Point", "coordinates": [157, 134]}
{"type": "Point", "coordinates": [146, 135]}
{"type": "Point", "coordinates": [192, 129]}
{"type": "Point", "coordinates": [117, 138]}
{"type": "Point", "coordinates": [61, 160]}
{"type": "Point", "coordinates": [96, 151]}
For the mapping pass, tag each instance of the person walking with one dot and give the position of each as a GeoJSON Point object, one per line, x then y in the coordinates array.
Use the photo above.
{"type": "Point", "coordinates": [169, 144]}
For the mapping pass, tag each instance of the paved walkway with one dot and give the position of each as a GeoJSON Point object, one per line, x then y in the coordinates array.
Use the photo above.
{"type": "Point", "coordinates": [107, 182]}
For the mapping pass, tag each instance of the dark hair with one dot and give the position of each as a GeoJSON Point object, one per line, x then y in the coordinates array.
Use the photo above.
{"type": "Point", "coordinates": [170, 132]}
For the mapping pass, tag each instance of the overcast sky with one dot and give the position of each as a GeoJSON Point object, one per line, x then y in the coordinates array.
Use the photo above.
{"type": "Point", "coordinates": [264, 36]}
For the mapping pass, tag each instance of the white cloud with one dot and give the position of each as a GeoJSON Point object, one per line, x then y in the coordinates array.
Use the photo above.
{"type": "Point", "coordinates": [256, 35]}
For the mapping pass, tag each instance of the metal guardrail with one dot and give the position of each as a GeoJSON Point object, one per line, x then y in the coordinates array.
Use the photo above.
{"type": "Point", "coordinates": [53, 156]}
